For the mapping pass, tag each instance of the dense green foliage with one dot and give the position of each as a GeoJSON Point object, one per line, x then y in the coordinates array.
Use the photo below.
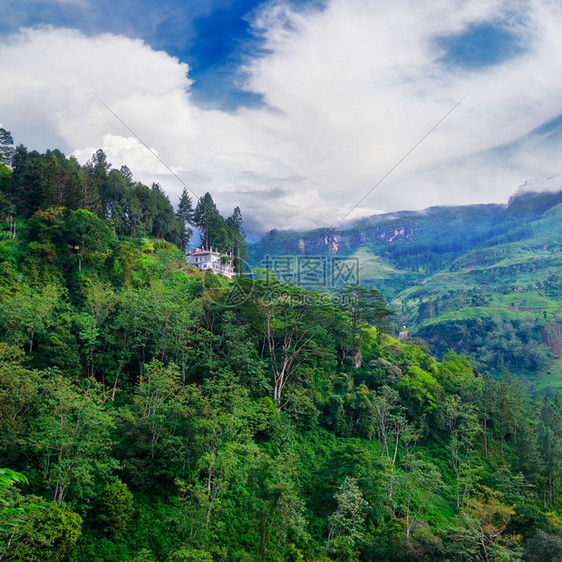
{"type": "Point", "coordinates": [480, 279]}
{"type": "Point", "coordinates": [132, 210]}
{"type": "Point", "coordinates": [162, 414]}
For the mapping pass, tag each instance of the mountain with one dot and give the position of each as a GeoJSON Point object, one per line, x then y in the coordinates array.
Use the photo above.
{"type": "Point", "coordinates": [484, 280]}
{"type": "Point", "coordinates": [156, 412]}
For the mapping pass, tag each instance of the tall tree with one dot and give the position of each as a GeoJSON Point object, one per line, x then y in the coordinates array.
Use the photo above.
{"type": "Point", "coordinates": [291, 322]}
{"type": "Point", "coordinates": [417, 484]}
{"type": "Point", "coordinates": [206, 218]}
{"type": "Point", "coordinates": [54, 179]}
{"type": "Point", "coordinates": [27, 181]}
{"type": "Point", "coordinates": [139, 211]}
{"type": "Point", "coordinates": [6, 147]}
{"type": "Point", "coordinates": [549, 436]}
{"type": "Point", "coordinates": [462, 424]}
{"type": "Point", "coordinates": [347, 522]}
{"type": "Point", "coordinates": [238, 245]}
{"type": "Point", "coordinates": [89, 195]}
{"type": "Point", "coordinates": [71, 437]}
{"type": "Point", "coordinates": [73, 183]}
{"type": "Point", "coordinates": [184, 214]}
{"type": "Point", "coordinates": [165, 225]}
{"type": "Point", "coordinates": [100, 168]}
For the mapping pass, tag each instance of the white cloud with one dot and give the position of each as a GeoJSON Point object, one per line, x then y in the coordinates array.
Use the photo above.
{"type": "Point", "coordinates": [349, 90]}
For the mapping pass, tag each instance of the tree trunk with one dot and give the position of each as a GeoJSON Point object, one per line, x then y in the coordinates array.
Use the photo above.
{"type": "Point", "coordinates": [485, 436]}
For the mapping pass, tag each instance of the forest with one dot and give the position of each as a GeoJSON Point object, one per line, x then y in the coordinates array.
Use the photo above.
{"type": "Point", "coordinates": [483, 280]}
{"type": "Point", "coordinates": [150, 412]}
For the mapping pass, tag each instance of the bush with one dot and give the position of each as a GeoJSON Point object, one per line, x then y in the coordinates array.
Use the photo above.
{"type": "Point", "coordinates": [117, 507]}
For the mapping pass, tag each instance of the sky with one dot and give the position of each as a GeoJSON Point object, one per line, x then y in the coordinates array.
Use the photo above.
{"type": "Point", "coordinates": [303, 113]}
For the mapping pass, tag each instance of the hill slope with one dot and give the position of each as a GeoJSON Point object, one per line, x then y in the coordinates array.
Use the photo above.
{"type": "Point", "coordinates": [481, 279]}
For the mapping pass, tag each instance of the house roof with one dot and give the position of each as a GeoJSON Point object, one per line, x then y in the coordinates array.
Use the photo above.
{"type": "Point", "coordinates": [204, 252]}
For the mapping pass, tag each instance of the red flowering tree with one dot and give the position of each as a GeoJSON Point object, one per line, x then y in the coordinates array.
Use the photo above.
{"type": "Point", "coordinates": [45, 225]}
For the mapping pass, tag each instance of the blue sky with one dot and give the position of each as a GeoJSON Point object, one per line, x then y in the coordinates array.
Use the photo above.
{"type": "Point", "coordinates": [481, 45]}
{"type": "Point", "coordinates": [294, 109]}
{"type": "Point", "coordinates": [215, 36]}
{"type": "Point", "coordinates": [212, 36]}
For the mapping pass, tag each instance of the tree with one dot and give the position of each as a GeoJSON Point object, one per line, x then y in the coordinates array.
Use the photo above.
{"type": "Point", "coordinates": [18, 396]}
{"type": "Point", "coordinates": [5, 182]}
{"type": "Point", "coordinates": [224, 430]}
{"type": "Point", "coordinates": [417, 484]}
{"type": "Point", "coordinates": [383, 414]}
{"type": "Point", "coordinates": [508, 408]}
{"type": "Point", "coordinates": [27, 181]}
{"type": "Point", "coordinates": [207, 219]}
{"type": "Point", "coordinates": [488, 405]}
{"type": "Point", "coordinates": [73, 184]}
{"type": "Point", "coordinates": [138, 211]}
{"type": "Point", "coordinates": [93, 325]}
{"type": "Point", "coordinates": [97, 174]}
{"type": "Point", "coordinates": [6, 147]}
{"type": "Point", "coordinates": [365, 307]}
{"type": "Point", "coordinates": [159, 403]}
{"type": "Point", "coordinates": [346, 524]}
{"type": "Point", "coordinates": [219, 446]}
{"type": "Point", "coordinates": [275, 503]}
{"type": "Point", "coordinates": [290, 319]}
{"type": "Point", "coordinates": [116, 507]}
{"type": "Point", "coordinates": [54, 179]}
{"type": "Point", "coordinates": [49, 536]}
{"type": "Point", "coordinates": [7, 210]}
{"type": "Point", "coordinates": [70, 437]}
{"type": "Point", "coordinates": [29, 312]}
{"type": "Point", "coordinates": [239, 247]}
{"type": "Point", "coordinates": [549, 438]}
{"type": "Point", "coordinates": [462, 424]}
{"type": "Point", "coordinates": [165, 224]}
{"type": "Point", "coordinates": [116, 186]}
{"type": "Point", "coordinates": [488, 517]}
{"type": "Point", "coordinates": [543, 548]}
{"type": "Point", "coordinates": [86, 233]}
{"type": "Point", "coordinates": [89, 194]}
{"type": "Point", "coordinates": [12, 516]}
{"type": "Point", "coordinates": [184, 214]}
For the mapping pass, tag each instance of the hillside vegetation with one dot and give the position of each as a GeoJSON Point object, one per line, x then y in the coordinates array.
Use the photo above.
{"type": "Point", "coordinates": [149, 412]}
{"type": "Point", "coordinates": [480, 279]}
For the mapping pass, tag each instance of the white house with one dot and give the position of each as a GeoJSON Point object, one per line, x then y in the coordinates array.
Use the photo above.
{"type": "Point", "coordinates": [204, 260]}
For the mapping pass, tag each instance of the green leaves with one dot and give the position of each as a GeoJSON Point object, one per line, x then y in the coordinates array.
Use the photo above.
{"type": "Point", "coordinates": [276, 426]}
{"type": "Point", "coordinates": [14, 513]}
{"type": "Point", "coordinates": [346, 524]}
{"type": "Point", "coordinates": [71, 437]}
{"type": "Point", "coordinates": [86, 234]}
{"type": "Point", "coordinates": [10, 477]}
{"type": "Point", "coordinates": [116, 507]}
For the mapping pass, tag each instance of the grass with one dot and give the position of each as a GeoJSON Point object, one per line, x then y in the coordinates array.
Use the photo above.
{"type": "Point", "coordinates": [372, 267]}
{"type": "Point", "coordinates": [551, 377]}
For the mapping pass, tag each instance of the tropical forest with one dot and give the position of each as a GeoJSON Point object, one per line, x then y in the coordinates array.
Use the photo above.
{"type": "Point", "coordinates": [406, 409]}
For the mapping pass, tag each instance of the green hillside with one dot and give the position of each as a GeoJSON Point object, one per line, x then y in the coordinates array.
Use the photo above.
{"type": "Point", "coordinates": [153, 413]}
{"type": "Point", "coordinates": [490, 271]}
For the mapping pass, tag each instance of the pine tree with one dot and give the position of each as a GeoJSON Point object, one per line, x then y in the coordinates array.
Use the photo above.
{"type": "Point", "coordinates": [239, 247]}
{"type": "Point", "coordinates": [6, 147]}
{"type": "Point", "coordinates": [207, 219]}
{"type": "Point", "coordinates": [184, 214]}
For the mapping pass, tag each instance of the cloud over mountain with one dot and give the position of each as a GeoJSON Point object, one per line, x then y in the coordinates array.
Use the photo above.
{"type": "Point", "coordinates": [348, 89]}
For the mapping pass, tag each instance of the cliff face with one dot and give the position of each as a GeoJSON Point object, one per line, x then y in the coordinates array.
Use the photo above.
{"type": "Point", "coordinates": [421, 241]}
